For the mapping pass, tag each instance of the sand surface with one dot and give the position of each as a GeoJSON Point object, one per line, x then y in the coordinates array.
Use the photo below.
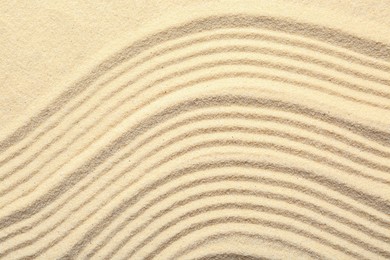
{"type": "Point", "coordinates": [195, 129]}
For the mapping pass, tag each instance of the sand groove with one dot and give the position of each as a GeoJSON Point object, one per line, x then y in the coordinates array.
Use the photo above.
{"type": "Point", "coordinates": [189, 141]}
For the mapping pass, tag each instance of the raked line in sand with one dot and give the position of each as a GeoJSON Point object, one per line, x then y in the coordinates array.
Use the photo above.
{"type": "Point", "coordinates": [233, 136]}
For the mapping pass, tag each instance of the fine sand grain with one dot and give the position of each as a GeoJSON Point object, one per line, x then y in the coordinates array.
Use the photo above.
{"type": "Point", "coordinates": [195, 129]}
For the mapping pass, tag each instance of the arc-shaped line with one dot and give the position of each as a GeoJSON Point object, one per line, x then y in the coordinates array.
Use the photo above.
{"type": "Point", "coordinates": [170, 112]}
{"type": "Point", "coordinates": [21, 166]}
{"type": "Point", "coordinates": [231, 256]}
{"type": "Point", "coordinates": [232, 62]}
{"type": "Point", "coordinates": [292, 56]}
{"type": "Point", "coordinates": [180, 45]}
{"type": "Point", "coordinates": [266, 238]}
{"type": "Point", "coordinates": [265, 118]}
{"type": "Point", "coordinates": [255, 36]}
{"type": "Point", "coordinates": [165, 93]}
{"type": "Point", "coordinates": [322, 196]}
{"type": "Point", "coordinates": [232, 219]}
{"type": "Point", "coordinates": [368, 47]}
{"type": "Point", "coordinates": [268, 146]}
{"type": "Point", "coordinates": [44, 233]}
{"type": "Point", "coordinates": [48, 145]}
{"type": "Point", "coordinates": [57, 209]}
{"type": "Point", "coordinates": [338, 187]}
{"type": "Point", "coordinates": [219, 192]}
{"type": "Point", "coordinates": [296, 138]}
{"type": "Point", "coordinates": [268, 51]}
{"type": "Point", "coordinates": [268, 64]}
{"type": "Point", "coordinates": [258, 144]}
{"type": "Point", "coordinates": [261, 208]}
{"type": "Point", "coordinates": [282, 134]}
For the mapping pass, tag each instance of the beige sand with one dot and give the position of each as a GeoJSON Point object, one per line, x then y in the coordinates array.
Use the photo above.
{"type": "Point", "coordinates": [195, 129]}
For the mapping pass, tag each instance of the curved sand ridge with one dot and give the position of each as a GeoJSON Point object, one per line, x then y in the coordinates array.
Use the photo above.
{"type": "Point", "coordinates": [229, 136]}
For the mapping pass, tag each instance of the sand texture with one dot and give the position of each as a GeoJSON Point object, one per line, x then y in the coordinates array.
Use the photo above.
{"type": "Point", "coordinates": [195, 129]}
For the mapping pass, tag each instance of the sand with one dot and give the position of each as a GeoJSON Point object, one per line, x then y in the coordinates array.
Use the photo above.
{"type": "Point", "coordinates": [195, 129]}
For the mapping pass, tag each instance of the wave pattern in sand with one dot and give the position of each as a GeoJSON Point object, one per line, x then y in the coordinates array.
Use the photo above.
{"type": "Point", "coordinates": [239, 136]}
